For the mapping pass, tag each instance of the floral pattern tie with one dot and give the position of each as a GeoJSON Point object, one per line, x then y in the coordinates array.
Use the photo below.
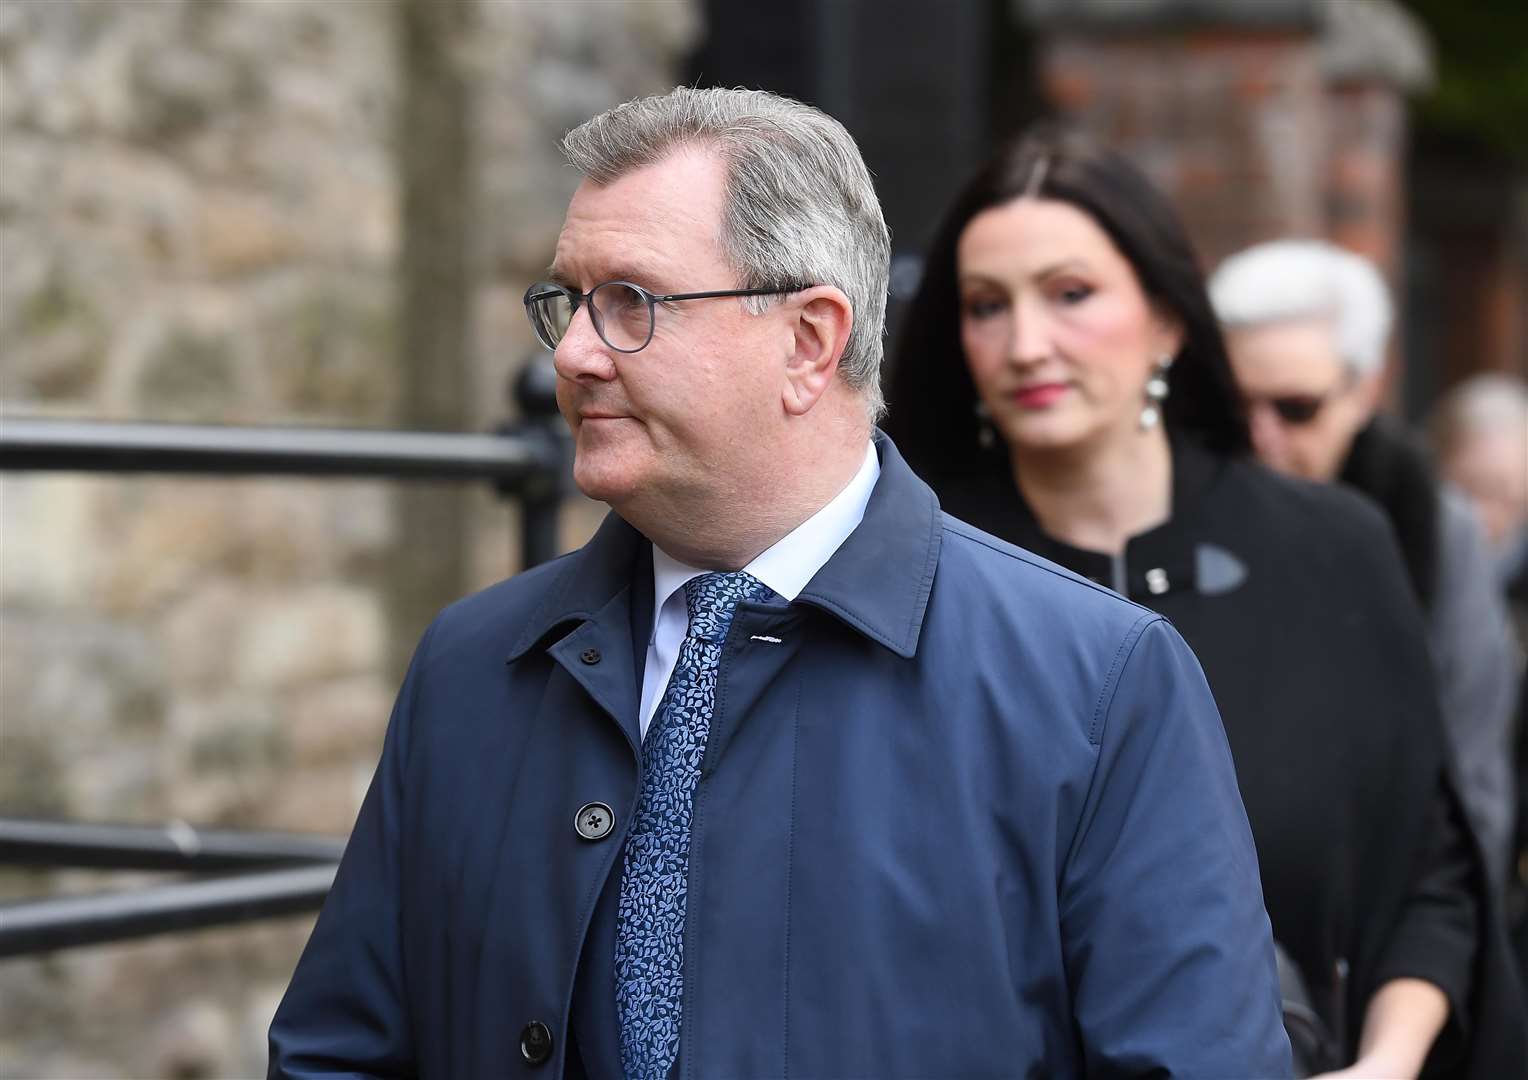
{"type": "Point", "coordinates": [649, 947]}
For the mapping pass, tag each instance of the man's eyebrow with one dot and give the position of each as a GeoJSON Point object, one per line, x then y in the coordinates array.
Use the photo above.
{"type": "Point", "coordinates": [636, 273]}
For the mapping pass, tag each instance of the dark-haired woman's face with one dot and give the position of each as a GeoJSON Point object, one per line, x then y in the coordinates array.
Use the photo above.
{"type": "Point", "coordinates": [1058, 334]}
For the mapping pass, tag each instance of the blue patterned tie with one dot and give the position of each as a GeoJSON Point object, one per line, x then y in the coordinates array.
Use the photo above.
{"type": "Point", "coordinates": [649, 946]}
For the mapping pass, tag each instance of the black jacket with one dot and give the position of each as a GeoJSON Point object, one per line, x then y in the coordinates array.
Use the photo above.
{"type": "Point", "coordinates": [1468, 624]}
{"type": "Point", "coordinates": [1296, 601]}
{"type": "Point", "coordinates": [1387, 465]}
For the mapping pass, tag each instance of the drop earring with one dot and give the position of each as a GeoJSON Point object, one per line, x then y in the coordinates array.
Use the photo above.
{"type": "Point", "coordinates": [986, 434]}
{"type": "Point", "coordinates": [1156, 393]}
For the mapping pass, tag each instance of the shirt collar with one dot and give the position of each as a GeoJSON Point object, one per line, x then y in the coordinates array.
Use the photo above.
{"type": "Point", "coordinates": [878, 582]}
{"type": "Point", "coordinates": [787, 565]}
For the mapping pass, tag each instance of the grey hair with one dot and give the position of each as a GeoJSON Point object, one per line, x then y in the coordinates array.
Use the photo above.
{"type": "Point", "coordinates": [800, 207]}
{"type": "Point", "coordinates": [1288, 280]}
{"type": "Point", "coordinates": [1486, 403]}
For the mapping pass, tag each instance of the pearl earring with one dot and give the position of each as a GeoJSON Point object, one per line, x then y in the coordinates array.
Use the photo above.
{"type": "Point", "coordinates": [1156, 393]}
{"type": "Point", "coordinates": [986, 434]}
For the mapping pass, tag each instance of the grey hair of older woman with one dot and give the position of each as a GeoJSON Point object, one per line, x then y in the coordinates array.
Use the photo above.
{"type": "Point", "coordinates": [800, 204]}
{"type": "Point", "coordinates": [1291, 280]}
{"type": "Point", "coordinates": [1487, 403]}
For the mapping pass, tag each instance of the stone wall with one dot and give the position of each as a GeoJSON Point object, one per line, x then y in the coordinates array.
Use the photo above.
{"type": "Point", "coordinates": [200, 221]}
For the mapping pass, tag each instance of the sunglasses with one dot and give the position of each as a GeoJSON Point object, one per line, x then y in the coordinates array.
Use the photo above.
{"type": "Point", "coordinates": [1299, 409]}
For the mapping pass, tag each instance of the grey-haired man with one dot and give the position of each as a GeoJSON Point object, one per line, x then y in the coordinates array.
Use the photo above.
{"type": "Point", "coordinates": [786, 772]}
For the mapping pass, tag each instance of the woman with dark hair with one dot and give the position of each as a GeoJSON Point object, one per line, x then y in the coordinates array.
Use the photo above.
{"type": "Point", "coordinates": [1061, 382]}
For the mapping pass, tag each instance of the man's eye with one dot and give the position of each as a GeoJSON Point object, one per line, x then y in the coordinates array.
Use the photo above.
{"type": "Point", "coordinates": [1075, 294]}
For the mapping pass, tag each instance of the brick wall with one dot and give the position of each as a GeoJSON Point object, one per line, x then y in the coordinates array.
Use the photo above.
{"type": "Point", "coordinates": [1231, 125]}
{"type": "Point", "coordinates": [1283, 119]}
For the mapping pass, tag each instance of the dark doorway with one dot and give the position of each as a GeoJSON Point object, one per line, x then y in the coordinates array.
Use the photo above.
{"type": "Point", "coordinates": [925, 89]}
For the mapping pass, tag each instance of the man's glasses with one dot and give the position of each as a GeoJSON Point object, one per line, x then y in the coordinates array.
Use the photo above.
{"type": "Point", "coordinates": [1298, 410]}
{"type": "Point", "coordinates": [622, 313]}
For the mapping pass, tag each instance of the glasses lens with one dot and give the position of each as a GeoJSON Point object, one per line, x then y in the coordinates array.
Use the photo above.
{"type": "Point", "coordinates": [550, 311]}
{"type": "Point", "coordinates": [622, 316]}
{"type": "Point", "coordinates": [1297, 410]}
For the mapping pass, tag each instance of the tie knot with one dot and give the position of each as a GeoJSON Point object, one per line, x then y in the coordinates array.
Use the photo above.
{"type": "Point", "coordinates": [712, 600]}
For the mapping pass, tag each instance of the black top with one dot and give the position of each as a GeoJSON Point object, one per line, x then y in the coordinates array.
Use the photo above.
{"type": "Point", "coordinates": [1297, 604]}
{"type": "Point", "coordinates": [1387, 464]}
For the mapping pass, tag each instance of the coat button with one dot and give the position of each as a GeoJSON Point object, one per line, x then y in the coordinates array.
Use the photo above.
{"type": "Point", "coordinates": [535, 1043]}
{"type": "Point", "coordinates": [590, 656]}
{"type": "Point", "coordinates": [594, 821]}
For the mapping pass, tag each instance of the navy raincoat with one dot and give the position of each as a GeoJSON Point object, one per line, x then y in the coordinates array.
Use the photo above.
{"type": "Point", "coordinates": [961, 814]}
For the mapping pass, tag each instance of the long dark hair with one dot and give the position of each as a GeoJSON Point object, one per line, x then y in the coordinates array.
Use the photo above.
{"type": "Point", "coordinates": [931, 394]}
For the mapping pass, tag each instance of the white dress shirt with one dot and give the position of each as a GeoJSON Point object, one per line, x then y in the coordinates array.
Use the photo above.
{"type": "Point", "coordinates": [785, 567]}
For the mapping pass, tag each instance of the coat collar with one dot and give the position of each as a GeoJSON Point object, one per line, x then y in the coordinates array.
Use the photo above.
{"type": "Point", "coordinates": [992, 501]}
{"type": "Point", "coordinates": [877, 582]}
{"type": "Point", "coordinates": [587, 580]}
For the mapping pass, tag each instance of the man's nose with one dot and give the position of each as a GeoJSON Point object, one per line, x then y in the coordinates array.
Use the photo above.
{"type": "Point", "coordinates": [1268, 437]}
{"type": "Point", "coordinates": [582, 355]}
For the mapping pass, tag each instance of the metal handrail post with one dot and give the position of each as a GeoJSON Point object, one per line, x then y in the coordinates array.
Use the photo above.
{"type": "Point", "coordinates": [535, 391]}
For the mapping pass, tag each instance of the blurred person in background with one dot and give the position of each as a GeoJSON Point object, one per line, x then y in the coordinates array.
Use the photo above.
{"type": "Point", "coordinates": [1061, 381]}
{"type": "Point", "coordinates": [1480, 433]}
{"type": "Point", "coordinates": [1307, 324]}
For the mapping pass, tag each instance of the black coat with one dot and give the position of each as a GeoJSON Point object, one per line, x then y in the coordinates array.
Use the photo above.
{"type": "Point", "coordinates": [1295, 599]}
{"type": "Point", "coordinates": [1390, 467]}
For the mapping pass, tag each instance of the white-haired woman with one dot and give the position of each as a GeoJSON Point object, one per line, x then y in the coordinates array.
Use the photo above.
{"type": "Point", "coordinates": [1307, 325]}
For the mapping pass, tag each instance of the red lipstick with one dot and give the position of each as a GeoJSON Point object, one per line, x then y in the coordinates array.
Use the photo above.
{"type": "Point", "coordinates": [1039, 396]}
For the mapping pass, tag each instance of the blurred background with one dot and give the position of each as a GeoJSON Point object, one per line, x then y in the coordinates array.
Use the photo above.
{"type": "Point", "coordinates": [324, 212]}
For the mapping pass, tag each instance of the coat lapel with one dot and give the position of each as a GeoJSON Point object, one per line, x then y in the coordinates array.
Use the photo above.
{"type": "Point", "coordinates": [879, 580]}
{"type": "Point", "coordinates": [598, 655]}
{"type": "Point", "coordinates": [605, 588]}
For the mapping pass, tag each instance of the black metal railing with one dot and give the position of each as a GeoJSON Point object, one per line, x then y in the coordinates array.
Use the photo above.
{"type": "Point", "coordinates": [527, 461]}
{"type": "Point", "coordinates": [247, 875]}
{"type": "Point", "coordinates": [175, 846]}
{"type": "Point", "coordinates": [97, 446]}
{"type": "Point", "coordinates": [59, 922]}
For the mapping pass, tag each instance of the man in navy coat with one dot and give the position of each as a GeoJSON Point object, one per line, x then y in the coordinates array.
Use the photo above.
{"type": "Point", "coordinates": [784, 772]}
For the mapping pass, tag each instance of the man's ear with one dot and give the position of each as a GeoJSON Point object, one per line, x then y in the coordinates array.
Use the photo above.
{"type": "Point", "coordinates": [819, 332]}
{"type": "Point", "coordinates": [1367, 391]}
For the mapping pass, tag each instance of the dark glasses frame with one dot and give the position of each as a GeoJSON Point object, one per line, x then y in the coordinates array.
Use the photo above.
{"type": "Point", "coordinates": [1301, 409]}
{"type": "Point", "coordinates": [545, 290]}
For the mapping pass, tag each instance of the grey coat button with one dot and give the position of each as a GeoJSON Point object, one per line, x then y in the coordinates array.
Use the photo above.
{"type": "Point", "coordinates": [590, 656]}
{"type": "Point", "coordinates": [535, 1043]}
{"type": "Point", "coordinates": [594, 821]}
